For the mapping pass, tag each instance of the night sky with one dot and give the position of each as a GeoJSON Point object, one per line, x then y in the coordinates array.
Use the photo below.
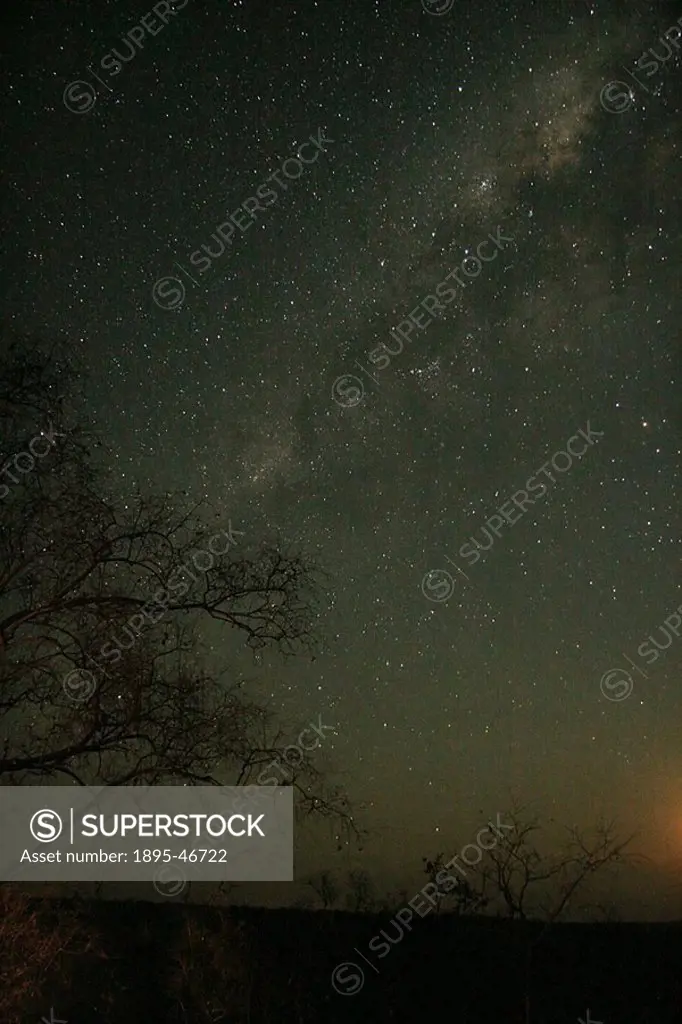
{"type": "Point", "coordinates": [450, 695]}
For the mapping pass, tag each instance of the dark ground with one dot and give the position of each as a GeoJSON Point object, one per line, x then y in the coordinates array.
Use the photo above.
{"type": "Point", "coordinates": [185, 964]}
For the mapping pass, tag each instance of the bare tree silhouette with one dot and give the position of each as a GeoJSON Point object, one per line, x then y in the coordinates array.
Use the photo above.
{"type": "Point", "coordinates": [101, 600]}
